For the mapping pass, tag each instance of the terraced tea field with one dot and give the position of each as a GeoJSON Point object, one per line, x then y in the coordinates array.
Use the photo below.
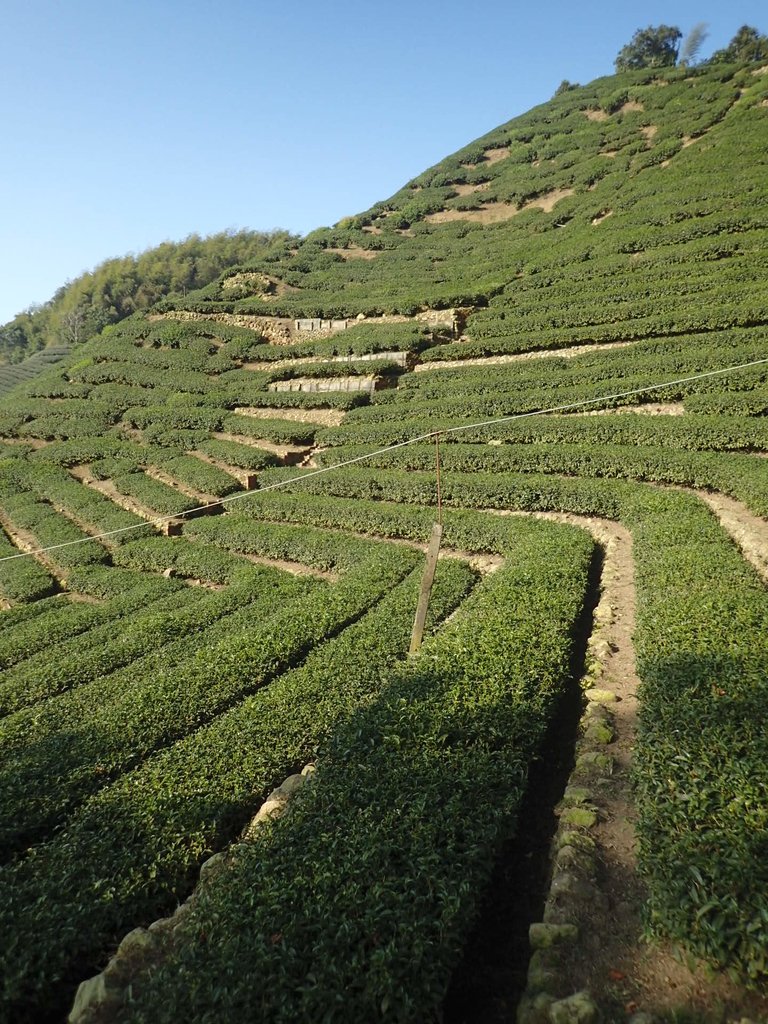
{"type": "Point", "coordinates": [224, 507]}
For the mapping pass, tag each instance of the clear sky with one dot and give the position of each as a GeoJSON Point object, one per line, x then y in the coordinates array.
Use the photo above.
{"type": "Point", "coordinates": [129, 122]}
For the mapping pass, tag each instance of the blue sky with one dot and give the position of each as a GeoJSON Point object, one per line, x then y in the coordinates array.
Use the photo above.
{"type": "Point", "coordinates": [129, 122]}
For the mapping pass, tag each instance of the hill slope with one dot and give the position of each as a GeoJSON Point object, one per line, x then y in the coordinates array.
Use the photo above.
{"type": "Point", "coordinates": [157, 688]}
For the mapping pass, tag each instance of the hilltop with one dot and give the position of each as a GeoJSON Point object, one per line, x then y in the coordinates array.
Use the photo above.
{"type": "Point", "coordinates": [210, 630]}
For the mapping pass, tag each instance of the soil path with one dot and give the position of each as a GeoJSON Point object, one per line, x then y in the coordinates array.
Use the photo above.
{"type": "Point", "coordinates": [165, 478]}
{"type": "Point", "coordinates": [27, 543]}
{"type": "Point", "coordinates": [325, 417]}
{"type": "Point", "coordinates": [496, 212]}
{"type": "Point", "coordinates": [624, 974]}
{"type": "Point", "coordinates": [651, 409]}
{"type": "Point", "coordinates": [108, 489]}
{"type": "Point", "coordinates": [287, 454]}
{"type": "Point", "coordinates": [517, 357]}
{"type": "Point", "coordinates": [749, 531]}
{"type": "Point", "coordinates": [241, 475]}
{"type": "Point", "coordinates": [295, 568]}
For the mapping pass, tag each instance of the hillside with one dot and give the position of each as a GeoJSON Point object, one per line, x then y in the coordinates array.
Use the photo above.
{"type": "Point", "coordinates": [555, 342]}
{"type": "Point", "coordinates": [118, 287]}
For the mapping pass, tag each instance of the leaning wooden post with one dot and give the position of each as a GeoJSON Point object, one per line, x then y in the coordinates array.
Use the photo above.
{"type": "Point", "coordinates": [426, 587]}
{"type": "Point", "coordinates": [429, 569]}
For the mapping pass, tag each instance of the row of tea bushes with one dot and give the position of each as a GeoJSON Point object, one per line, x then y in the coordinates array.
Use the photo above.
{"type": "Point", "coordinates": [133, 849]}
{"type": "Point", "coordinates": [55, 621]}
{"type": "Point", "coordinates": [741, 476]}
{"type": "Point", "coordinates": [689, 432]}
{"type": "Point", "coordinates": [110, 720]}
{"type": "Point", "coordinates": [355, 905]}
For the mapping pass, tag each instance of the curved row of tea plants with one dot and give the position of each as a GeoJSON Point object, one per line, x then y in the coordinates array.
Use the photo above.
{"type": "Point", "coordinates": [370, 885]}
{"type": "Point", "coordinates": [139, 841]}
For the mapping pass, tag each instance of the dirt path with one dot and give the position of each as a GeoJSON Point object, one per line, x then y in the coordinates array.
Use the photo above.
{"type": "Point", "coordinates": [496, 212]}
{"type": "Point", "coordinates": [545, 353]}
{"type": "Point", "coordinates": [290, 456]}
{"type": "Point", "coordinates": [26, 542]}
{"type": "Point", "coordinates": [294, 568]}
{"type": "Point", "coordinates": [325, 417]}
{"type": "Point", "coordinates": [651, 409]}
{"type": "Point", "coordinates": [241, 475]}
{"type": "Point", "coordinates": [624, 974]}
{"type": "Point", "coordinates": [108, 489]}
{"type": "Point", "coordinates": [749, 531]}
{"type": "Point", "coordinates": [189, 492]}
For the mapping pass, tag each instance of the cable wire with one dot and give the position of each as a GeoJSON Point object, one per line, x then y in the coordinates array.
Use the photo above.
{"type": "Point", "coordinates": [381, 451]}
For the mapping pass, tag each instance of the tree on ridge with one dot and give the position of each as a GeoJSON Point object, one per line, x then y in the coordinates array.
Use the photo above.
{"type": "Point", "coordinates": [652, 47]}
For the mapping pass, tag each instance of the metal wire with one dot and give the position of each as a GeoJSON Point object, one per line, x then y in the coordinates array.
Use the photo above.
{"type": "Point", "coordinates": [389, 448]}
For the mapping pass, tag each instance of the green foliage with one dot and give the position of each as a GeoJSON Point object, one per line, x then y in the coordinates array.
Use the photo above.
{"type": "Point", "coordinates": [22, 579]}
{"type": "Point", "coordinates": [139, 732]}
{"type": "Point", "coordinates": [747, 45]}
{"type": "Point", "coordinates": [652, 47]}
{"type": "Point", "coordinates": [702, 755]}
{"type": "Point", "coordinates": [131, 838]}
{"type": "Point", "coordinates": [374, 878]}
{"type": "Point", "coordinates": [120, 287]}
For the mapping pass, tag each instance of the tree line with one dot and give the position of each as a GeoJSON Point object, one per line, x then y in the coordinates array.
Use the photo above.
{"type": "Point", "coordinates": [660, 46]}
{"type": "Point", "coordinates": [119, 287]}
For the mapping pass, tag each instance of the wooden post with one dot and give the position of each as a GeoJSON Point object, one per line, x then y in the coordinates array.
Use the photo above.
{"type": "Point", "coordinates": [426, 588]}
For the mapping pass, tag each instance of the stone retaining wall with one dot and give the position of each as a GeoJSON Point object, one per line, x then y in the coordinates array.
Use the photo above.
{"type": "Point", "coordinates": [98, 997]}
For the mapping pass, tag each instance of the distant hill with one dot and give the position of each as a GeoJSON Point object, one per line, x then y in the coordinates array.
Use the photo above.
{"type": "Point", "coordinates": [121, 286]}
{"type": "Point", "coordinates": [630, 207]}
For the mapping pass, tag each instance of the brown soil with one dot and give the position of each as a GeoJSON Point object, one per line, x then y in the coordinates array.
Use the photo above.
{"type": "Point", "coordinates": [610, 153]}
{"type": "Point", "coordinates": [602, 216]}
{"type": "Point", "coordinates": [284, 452]}
{"type": "Point", "coordinates": [206, 584]}
{"type": "Point", "coordinates": [295, 568]}
{"type": "Point", "coordinates": [596, 115]}
{"type": "Point", "coordinates": [370, 229]}
{"type": "Point", "coordinates": [490, 156]}
{"type": "Point", "coordinates": [630, 106]}
{"type": "Point", "coordinates": [650, 409]}
{"type": "Point", "coordinates": [185, 489]}
{"type": "Point", "coordinates": [548, 353]}
{"type": "Point", "coordinates": [108, 489]}
{"type": "Point", "coordinates": [26, 542]}
{"type": "Point", "coordinates": [84, 598]}
{"type": "Point", "coordinates": [355, 252]}
{"type": "Point", "coordinates": [761, 71]}
{"type": "Point", "coordinates": [625, 974]}
{"type": "Point", "coordinates": [241, 475]}
{"type": "Point", "coordinates": [649, 131]}
{"type": "Point", "coordinates": [496, 212]}
{"type": "Point", "coordinates": [325, 417]}
{"type": "Point", "coordinates": [749, 531]}
{"type": "Point", "coordinates": [132, 433]}
{"type": "Point", "coordinates": [30, 442]}
{"type": "Point", "coordinates": [469, 190]}
{"type": "Point", "coordinates": [688, 140]}
{"type": "Point", "coordinates": [262, 285]}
